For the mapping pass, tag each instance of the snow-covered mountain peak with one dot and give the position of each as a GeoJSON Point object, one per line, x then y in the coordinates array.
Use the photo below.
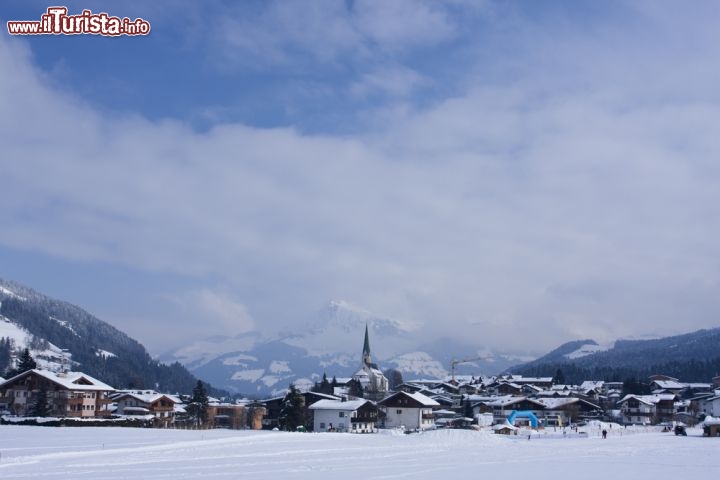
{"type": "Point", "coordinates": [341, 315]}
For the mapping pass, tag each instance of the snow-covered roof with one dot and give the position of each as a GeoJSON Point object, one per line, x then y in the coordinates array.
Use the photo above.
{"type": "Point", "coordinates": [521, 379]}
{"type": "Point", "coordinates": [555, 393]}
{"type": "Point", "coordinates": [649, 399]}
{"type": "Point", "coordinates": [148, 396]}
{"type": "Point", "coordinates": [485, 398]}
{"type": "Point", "coordinates": [136, 410]}
{"type": "Point", "coordinates": [669, 384]}
{"type": "Point", "coordinates": [533, 387]}
{"type": "Point", "coordinates": [592, 384]}
{"type": "Point", "coordinates": [444, 412]}
{"type": "Point", "coordinates": [711, 420]}
{"type": "Point", "coordinates": [349, 405]}
{"type": "Point", "coordinates": [555, 403]}
{"type": "Point", "coordinates": [68, 380]}
{"type": "Point", "coordinates": [326, 396]}
{"type": "Point", "coordinates": [513, 385]}
{"type": "Point", "coordinates": [424, 400]}
{"type": "Point", "coordinates": [510, 400]}
{"type": "Point", "coordinates": [504, 426]}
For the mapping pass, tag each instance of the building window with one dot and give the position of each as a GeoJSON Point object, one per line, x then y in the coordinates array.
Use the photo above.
{"type": "Point", "coordinates": [341, 414]}
{"type": "Point", "coordinates": [399, 412]}
{"type": "Point", "coordinates": [322, 425]}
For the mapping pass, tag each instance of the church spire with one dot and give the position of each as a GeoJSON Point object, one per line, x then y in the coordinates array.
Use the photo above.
{"type": "Point", "coordinates": [366, 348]}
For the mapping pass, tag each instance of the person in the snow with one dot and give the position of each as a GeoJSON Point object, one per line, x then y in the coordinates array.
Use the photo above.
{"type": "Point", "coordinates": [604, 433]}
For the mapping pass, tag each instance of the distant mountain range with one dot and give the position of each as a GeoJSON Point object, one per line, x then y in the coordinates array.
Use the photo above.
{"type": "Point", "coordinates": [692, 357]}
{"type": "Point", "coordinates": [61, 335]}
{"type": "Point", "coordinates": [331, 343]}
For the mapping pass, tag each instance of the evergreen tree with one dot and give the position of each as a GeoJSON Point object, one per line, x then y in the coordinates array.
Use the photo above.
{"type": "Point", "coordinates": [467, 407]}
{"type": "Point", "coordinates": [292, 414]}
{"type": "Point", "coordinates": [26, 362]}
{"type": "Point", "coordinates": [323, 386]}
{"type": "Point", "coordinates": [355, 388]}
{"type": "Point", "coordinates": [198, 406]}
{"type": "Point", "coordinates": [559, 378]}
{"type": "Point", "coordinates": [394, 377]}
{"type": "Point", "coordinates": [40, 407]}
{"type": "Point", "coordinates": [6, 348]}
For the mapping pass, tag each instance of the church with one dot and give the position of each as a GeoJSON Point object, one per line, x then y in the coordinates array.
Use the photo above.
{"type": "Point", "coordinates": [374, 383]}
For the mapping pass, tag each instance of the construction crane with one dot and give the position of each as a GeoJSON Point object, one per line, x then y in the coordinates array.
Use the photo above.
{"type": "Point", "coordinates": [454, 363]}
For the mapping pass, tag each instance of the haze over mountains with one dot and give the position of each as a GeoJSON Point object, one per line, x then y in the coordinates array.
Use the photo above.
{"type": "Point", "coordinates": [331, 343]}
{"type": "Point", "coordinates": [63, 335]}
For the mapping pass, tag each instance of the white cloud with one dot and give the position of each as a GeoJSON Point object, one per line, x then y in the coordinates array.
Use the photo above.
{"type": "Point", "coordinates": [217, 310]}
{"type": "Point", "coordinates": [393, 81]}
{"type": "Point", "coordinates": [515, 214]}
{"type": "Point", "coordinates": [287, 33]}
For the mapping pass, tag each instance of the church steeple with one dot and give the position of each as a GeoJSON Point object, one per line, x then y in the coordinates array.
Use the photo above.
{"type": "Point", "coordinates": [367, 360]}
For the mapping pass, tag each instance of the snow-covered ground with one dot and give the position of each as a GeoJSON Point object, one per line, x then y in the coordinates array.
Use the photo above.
{"type": "Point", "coordinates": [114, 453]}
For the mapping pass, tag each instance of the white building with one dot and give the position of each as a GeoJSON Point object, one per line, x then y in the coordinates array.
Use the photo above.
{"type": "Point", "coordinates": [711, 406]}
{"type": "Point", "coordinates": [147, 403]}
{"type": "Point", "coordinates": [647, 409]}
{"type": "Point", "coordinates": [411, 411]}
{"type": "Point", "coordinates": [373, 381]}
{"type": "Point", "coordinates": [353, 416]}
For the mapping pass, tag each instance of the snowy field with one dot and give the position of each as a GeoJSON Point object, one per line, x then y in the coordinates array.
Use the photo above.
{"type": "Point", "coordinates": [114, 453]}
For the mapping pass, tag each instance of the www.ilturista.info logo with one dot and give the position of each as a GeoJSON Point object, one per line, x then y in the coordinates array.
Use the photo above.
{"type": "Point", "coordinates": [57, 22]}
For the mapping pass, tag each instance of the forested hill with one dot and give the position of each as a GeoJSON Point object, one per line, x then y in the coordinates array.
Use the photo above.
{"type": "Point", "coordinates": [97, 348]}
{"type": "Point", "coordinates": [691, 357]}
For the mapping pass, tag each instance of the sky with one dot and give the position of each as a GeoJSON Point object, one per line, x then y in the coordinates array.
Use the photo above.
{"type": "Point", "coordinates": [513, 174]}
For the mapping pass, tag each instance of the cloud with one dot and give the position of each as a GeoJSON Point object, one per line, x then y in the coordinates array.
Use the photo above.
{"type": "Point", "coordinates": [577, 198]}
{"type": "Point", "coordinates": [287, 33]}
{"type": "Point", "coordinates": [216, 310]}
{"type": "Point", "coordinates": [391, 81]}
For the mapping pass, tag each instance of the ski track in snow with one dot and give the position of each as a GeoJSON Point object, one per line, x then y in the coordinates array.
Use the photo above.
{"type": "Point", "coordinates": [119, 453]}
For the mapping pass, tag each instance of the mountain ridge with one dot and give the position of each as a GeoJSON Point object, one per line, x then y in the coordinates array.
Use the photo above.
{"type": "Point", "coordinates": [83, 341]}
{"type": "Point", "coordinates": [693, 356]}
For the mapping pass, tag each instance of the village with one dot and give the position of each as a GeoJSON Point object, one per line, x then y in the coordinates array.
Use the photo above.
{"type": "Point", "coordinates": [364, 404]}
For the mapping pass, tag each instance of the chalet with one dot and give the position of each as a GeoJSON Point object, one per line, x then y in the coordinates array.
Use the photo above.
{"type": "Point", "coordinates": [505, 429]}
{"type": "Point", "coordinates": [353, 416]}
{"type": "Point", "coordinates": [647, 409]}
{"type": "Point", "coordinates": [508, 388]}
{"type": "Point", "coordinates": [69, 394]}
{"type": "Point", "coordinates": [667, 386]}
{"type": "Point", "coordinates": [146, 403]}
{"type": "Point", "coordinates": [564, 411]}
{"type": "Point", "coordinates": [234, 416]}
{"type": "Point", "coordinates": [412, 411]}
